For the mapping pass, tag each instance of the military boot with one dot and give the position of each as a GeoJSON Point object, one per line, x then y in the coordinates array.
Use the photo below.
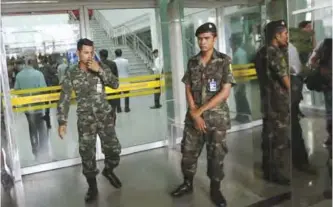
{"type": "Point", "coordinates": [183, 189]}
{"type": "Point", "coordinates": [113, 179]}
{"type": "Point", "coordinates": [216, 195]}
{"type": "Point", "coordinates": [92, 190]}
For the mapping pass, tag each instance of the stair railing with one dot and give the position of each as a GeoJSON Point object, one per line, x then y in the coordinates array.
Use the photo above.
{"type": "Point", "coordinates": [122, 35]}
{"type": "Point", "coordinates": [105, 25]}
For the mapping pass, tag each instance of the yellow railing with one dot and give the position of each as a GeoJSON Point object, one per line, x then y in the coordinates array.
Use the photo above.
{"type": "Point", "coordinates": [41, 98]}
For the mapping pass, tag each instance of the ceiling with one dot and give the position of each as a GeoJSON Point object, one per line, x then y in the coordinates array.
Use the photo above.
{"type": "Point", "coordinates": [49, 5]}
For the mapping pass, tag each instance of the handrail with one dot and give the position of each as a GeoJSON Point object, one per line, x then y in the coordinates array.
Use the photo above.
{"type": "Point", "coordinates": [134, 20]}
{"type": "Point", "coordinates": [127, 37]}
{"type": "Point", "coordinates": [105, 24]}
{"type": "Point", "coordinates": [134, 42]}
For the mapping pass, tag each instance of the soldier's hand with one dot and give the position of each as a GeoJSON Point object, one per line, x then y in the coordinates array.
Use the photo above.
{"type": "Point", "coordinates": [93, 65]}
{"type": "Point", "coordinates": [200, 124]}
{"type": "Point", "coordinates": [62, 131]}
{"type": "Point", "coordinates": [195, 113]}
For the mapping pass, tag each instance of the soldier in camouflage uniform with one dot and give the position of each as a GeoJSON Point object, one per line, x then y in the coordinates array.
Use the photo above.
{"type": "Point", "coordinates": [208, 81]}
{"type": "Point", "coordinates": [94, 114]}
{"type": "Point", "coordinates": [273, 75]}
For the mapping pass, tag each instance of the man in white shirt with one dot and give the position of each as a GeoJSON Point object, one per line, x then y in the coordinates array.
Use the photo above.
{"type": "Point", "coordinates": [240, 57]}
{"type": "Point", "coordinates": [123, 71]}
{"type": "Point", "coordinates": [157, 69]}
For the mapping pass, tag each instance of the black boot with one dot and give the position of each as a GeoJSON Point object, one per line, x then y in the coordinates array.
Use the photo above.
{"type": "Point", "coordinates": [92, 190]}
{"type": "Point", "coordinates": [113, 179]}
{"type": "Point", "coordinates": [216, 195]}
{"type": "Point", "coordinates": [183, 189]}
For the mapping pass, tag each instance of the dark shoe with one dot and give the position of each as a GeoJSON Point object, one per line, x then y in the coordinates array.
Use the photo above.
{"type": "Point", "coordinates": [156, 107]}
{"type": "Point", "coordinates": [119, 110]}
{"type": "Point", "coordinates": [183, 189]}
{"type": "Point", "coordinates": [92, 190]}
{"type": "Point", "coordinates": [113, 179]}
{"type": "Point", "coordinates": [216, 195]}
{"type": "Point", "coordinates": [127, 110]}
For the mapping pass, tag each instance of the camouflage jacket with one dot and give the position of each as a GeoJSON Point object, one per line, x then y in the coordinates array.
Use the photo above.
{"type": "Point", "coordinates": [271, 66]}
{"type": "Point", "coordinates": [85, 86]}
{"type": "Point", "coordinates": [199, 78]}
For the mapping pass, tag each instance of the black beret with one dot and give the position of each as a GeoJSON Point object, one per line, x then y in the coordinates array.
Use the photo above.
{"type": "Point", "coordinates": [207, 27]}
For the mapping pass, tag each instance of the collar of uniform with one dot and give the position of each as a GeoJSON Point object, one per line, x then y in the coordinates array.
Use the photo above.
{"type": "Point", "coordinates": [214, 55]}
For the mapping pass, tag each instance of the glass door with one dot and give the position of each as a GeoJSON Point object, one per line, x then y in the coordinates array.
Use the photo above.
{"type": "Point", "coordinates": [141, 122]}
{"type": "Point", "coordinates": [38, 44]}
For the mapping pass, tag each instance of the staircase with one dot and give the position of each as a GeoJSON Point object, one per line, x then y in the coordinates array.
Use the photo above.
{"type": "Point", "coordinates": [137, 66]}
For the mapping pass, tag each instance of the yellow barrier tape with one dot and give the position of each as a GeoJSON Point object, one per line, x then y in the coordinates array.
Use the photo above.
{"type": "Point", "coordinates": [53, 105]}
{"type": "Point", "coordinates": [242, 66]}
{"type": "Point", "coordinates": [17, 101]}
{"type": "Point", "coordinates": [244, 73]}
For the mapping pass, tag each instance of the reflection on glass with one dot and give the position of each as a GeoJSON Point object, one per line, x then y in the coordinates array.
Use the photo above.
{"type": "Point", "coordinates": [311, 143]}
{"type": "Point", "coordinates": [38, 49]}
{"type": "Point", "coordinates": [129, 43]}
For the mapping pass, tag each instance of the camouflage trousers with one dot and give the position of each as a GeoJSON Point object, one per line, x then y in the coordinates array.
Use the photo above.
{"type": "Point", "coordinates": [275, 144]}
{"type": "Point", "coordinates": [89, 126]}
{"type": "Point", "coordinates": [191, 147]}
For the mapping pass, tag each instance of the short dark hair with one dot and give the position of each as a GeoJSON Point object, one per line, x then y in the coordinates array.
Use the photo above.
{"type": "Point", "coordinates": [84, 41]}
{"type": "Point", "coordinates": [118, 52]}
{"type": "Point", "coordinates": [155, 51]}
{"type": "Point", "coordinates": [104, 53]}
{"type": "Point", "coordinates": [303, 24]}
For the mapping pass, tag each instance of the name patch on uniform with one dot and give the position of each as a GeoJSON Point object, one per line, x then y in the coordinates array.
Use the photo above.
{"type": "Point", "coordinates": [212, 85]}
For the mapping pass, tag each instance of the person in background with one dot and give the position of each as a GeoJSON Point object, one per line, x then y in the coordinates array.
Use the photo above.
{"type": "Point", "coordinates": [240, 57]}
{"type": "Point", "coordinates": [304, 40]}
{"type": "Point", "coordinates": [29, 78]}
{"type": "Point", "coordinates": [61, 70]}
{"type": "Point", "coordinates": [157, 70]}
{"type": "Point", "coordinates": [123, 71]}
{"type": "Point", "coordinates": [113, 66]}
{"type": "Point", "coordinates": [274, 83]}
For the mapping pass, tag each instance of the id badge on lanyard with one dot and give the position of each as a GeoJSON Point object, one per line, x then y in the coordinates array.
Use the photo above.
{"type": "Point", "coordinates": [99, 88]}
{"type": "Point", "coordinates": [212, 85]}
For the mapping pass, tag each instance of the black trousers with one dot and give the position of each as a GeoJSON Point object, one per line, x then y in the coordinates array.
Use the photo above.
{"type": "Point", "coordinates": [116, 103]}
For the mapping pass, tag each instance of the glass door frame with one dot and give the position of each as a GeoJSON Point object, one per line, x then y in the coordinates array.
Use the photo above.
{"type": "Point", "coordinates": [84, 33]}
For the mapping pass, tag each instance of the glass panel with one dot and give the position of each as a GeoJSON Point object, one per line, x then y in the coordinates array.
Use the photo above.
{"type": "Point", "coordinates": [242, 40]}
{"type": "Point", "coordinates": [135, 36]}
{"type": "Point", "coordinates": [312, 139]}
{"type": "Point", "coordinates": [37, 46]}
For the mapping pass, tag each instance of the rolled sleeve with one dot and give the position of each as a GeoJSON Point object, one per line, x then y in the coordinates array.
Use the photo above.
{"type": "Point", "coordinates": [227, 76]}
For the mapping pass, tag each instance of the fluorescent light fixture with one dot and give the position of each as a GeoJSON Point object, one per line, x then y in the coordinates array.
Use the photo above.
{"type": "Point", "coordinates": [29, 2]}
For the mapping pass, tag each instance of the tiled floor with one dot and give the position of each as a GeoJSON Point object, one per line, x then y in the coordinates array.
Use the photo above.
{"type": "Point", "coordinates": [148, 177]}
